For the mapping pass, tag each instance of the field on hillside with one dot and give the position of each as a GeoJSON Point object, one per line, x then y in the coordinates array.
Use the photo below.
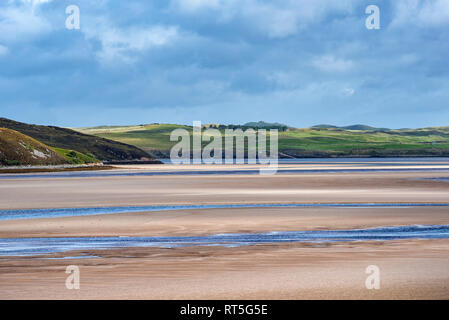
{"type": "Point", "coordinates": [151, 138]}
{"type": "Point", "coordinates": [309, 142]}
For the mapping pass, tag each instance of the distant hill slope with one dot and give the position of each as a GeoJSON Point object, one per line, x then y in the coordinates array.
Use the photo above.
{"type": "Point", "coordinates": [359, 127]}
{"type": "Point", "coordinates": [19, 149]}
{"type": "Point", "coordinates": [263, 124]}
{"type": "Point", "coordinates": [153, 138]}
{"type": "Point", "coordinates": [364, 142]}
{"type": "Point", "coordinates": [100, 148]}
{"type": "Point", "coordinates": [322, 141]}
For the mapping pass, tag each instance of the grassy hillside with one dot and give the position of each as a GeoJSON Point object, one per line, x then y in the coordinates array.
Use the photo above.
{"type": "Point", "coordinates": [152, 138]}
{"type": "Point", "coordinates": [318, 141]}
{"type": "Point", "coordinates": [75, 157]}
{"type": "Point", "coordinates": [94, 147]}
{"type": "Point", "coordinates": [19, 149]}
{"type": "Point", "coordinates": [341, 142]}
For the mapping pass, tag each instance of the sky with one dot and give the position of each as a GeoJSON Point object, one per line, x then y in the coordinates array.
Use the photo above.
{"type": "Point", "coordinates": [298, 62]}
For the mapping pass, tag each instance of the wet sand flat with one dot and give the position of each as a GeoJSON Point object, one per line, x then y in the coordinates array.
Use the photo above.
{"type": "Point", "coordinates": [178, 189]}
{"type": "Point", "coordinates": [217, 221]}
{"type": "Point", "coordinates": [409, 268]}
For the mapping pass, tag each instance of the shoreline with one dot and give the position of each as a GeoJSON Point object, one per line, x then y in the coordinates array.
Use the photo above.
{"type": "Point", "coordinates": [33, 169]}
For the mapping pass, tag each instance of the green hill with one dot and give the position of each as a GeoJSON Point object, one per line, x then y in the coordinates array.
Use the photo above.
{"type": "Point", "coordinates": [337, 142]}
{"type": "Point", "coordinates": [152, 138]}
{"type": "Point", "coordinates": [91, 146]}
{"type": "Point", "coordinates": [356, 127]}
{"type": "Point", "coordinates": [265, 125]}
{"type": "Point", "coordinates": [75, 157]}
{"type": "Point", "coordinates": [19, 149]}
{"type": "Point", "coordinates": [322, 141]}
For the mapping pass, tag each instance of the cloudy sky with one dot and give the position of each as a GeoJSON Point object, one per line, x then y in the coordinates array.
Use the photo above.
{"type": "Point", "coordinates": [299, 62]}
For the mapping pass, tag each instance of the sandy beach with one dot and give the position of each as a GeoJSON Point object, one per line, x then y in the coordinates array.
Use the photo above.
{"type": "Point", "coordinates": [410, 269]}
{"type": "Point", "coordinates": [387, 187]}
{"type": "Point", "coordinates": [217, 221]}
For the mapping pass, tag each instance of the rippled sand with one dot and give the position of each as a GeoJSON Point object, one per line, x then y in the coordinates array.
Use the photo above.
{"type": "Point", "coordinates": [409, 269]}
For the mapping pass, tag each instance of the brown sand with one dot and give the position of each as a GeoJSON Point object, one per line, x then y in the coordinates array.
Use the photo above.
{"type": "Point", "coordinates": [282, 188]}
{"type": "Point", "coordinates": [214, 221]}
{"type": "Point", "coordinates": [409, 269]}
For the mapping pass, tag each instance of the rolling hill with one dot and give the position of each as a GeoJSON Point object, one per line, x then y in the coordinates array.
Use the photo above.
{"type": "Point", "coordinates": [91, 146]}
{"type": "Point", "coordinates": [317, 141]}
{"type": "Point", "coordinates": [19, 149]}
{"type": "Point", "coordinates": [357, 127]}
{"type": "Point", "coordinates": [152, 138]}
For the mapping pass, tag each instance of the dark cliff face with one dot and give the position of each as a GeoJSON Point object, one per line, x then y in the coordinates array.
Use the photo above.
{"type": "Point", "coordinates": [102, 149]}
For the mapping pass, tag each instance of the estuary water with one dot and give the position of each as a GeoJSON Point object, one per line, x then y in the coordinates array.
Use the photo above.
{"type": "Point", "coordinates": [127, 173]}
{"type": "Point", "coordinates": [354, 165]}
{"type": "Point", "coordinates": [74, 212]}
{"type": "Point", "coordinates": [41, 246]}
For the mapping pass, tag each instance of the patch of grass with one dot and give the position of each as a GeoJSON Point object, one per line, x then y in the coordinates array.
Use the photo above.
{"type": "Point", "coordinates": [75, 157]}
{"type": "Point", "coordinates": [12, 162]}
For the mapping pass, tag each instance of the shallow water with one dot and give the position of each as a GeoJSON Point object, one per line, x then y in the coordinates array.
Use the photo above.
{"type": "Point", "coordinates": [439, 179]}
{"type": "Point", "coordinates": [397, 163]}
{"type": "Point", "coordinates": [39, 246]}
{"type": "Point", "coordinates": [127, 173]}
{"type": "Point", "coordinates": [430, 160]}
{"type": "Point", "coordinates": [74, 212]}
